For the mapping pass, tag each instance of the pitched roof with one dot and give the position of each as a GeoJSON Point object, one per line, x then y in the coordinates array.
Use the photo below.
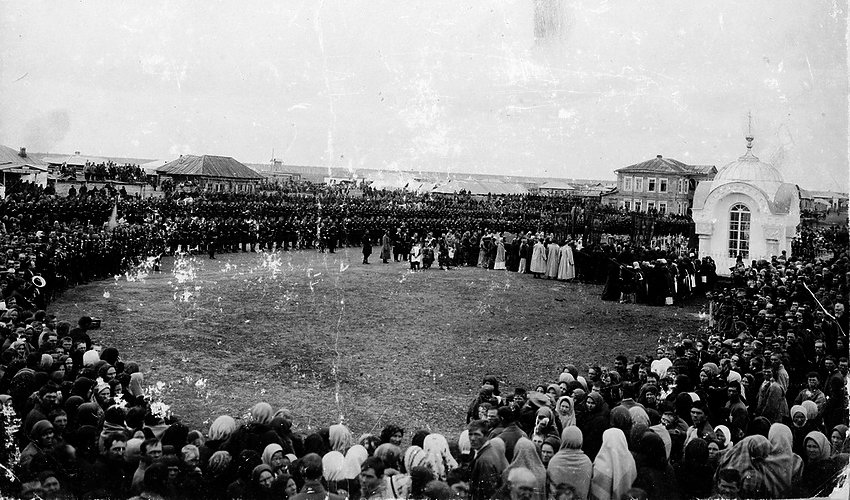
{"type": "Point", "coordinates": [75, 160]}
{"type": "Point", "coordinates": [703, 169]}
{"type": "Point", "coordinates": [661, 165]}
{"type": "Point", "coordinates": [10, 158]}
{"type": "Point", "coordinates": [558, 184]}
{"type": "Point", "coordinates": [208, 166]}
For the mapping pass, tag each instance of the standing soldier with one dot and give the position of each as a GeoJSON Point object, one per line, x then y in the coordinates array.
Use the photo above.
{"type": "Point", "coordinates": [211, 238]}
{"type": "Point", "coordinates": [367, 246]}
{"type": "Point", "coordinates": [333, 234]}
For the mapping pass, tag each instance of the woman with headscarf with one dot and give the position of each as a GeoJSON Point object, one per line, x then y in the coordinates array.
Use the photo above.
{"type": "Point", "coordinates": [594, 423]}
{"type": "Point", "coordinates": [391, 455]}
{"type": "Point", "coordinates": [764, 470]}
{"type": "Point", "coordinates": [548, 449]}
{"type": "Point", "coordinates": [89, 414]}
{"type": "Point", "coordinates": [544, 424]}
{"type": "Point", "coordinates": [392, 434]}
{"type": "Point", "coordinates": [439, 457]}
{"type": "Point", "coordinates": [273, 457]}
{"type": "Point", "coordinates": [340, 438]}
{"type": "Point", "coordinates": [554, 392]}
{"type": "Point", "coordinates": [657, 427]}
{"type": "Point", "coordinates": [838, 439]}
{"type": "Point", "coordinates": [220, 431]}
{"type": "Point", "coordinates": [570, 468]}
{"type": "Point", "coordinates": [414, 456]}
{"type": "Point", "coordinates": [465, 448]}
{"type": "Point", "coordinates": [370, 442]}
{"type": "Point", "coordinates": [102, 395]}
{"type": "Point", "coordinates": [782, 440]}
{"type": "Point", "coordinates": [693, 473]}
{"type": "Point", "coordinates": [654, 473]}
{"type": "Point", "coordinates": [134, 395]}
{"type": "Point", "coordinates": [614, 467]}
{"type": "Point", "coordinates": [723, 437]}
{"type": "Point", "coordinates": [526, 456]}
{"type": "Point", "coordinates": [354, 458]}
{"type": "Point", "coordinates": [262, 480]}
{"type": "Point", "coordinates": [821, 470]}
{"type": "Point", "coordinates": [566, 411]}
{"type": "Point", "coordinates": [333, 467]}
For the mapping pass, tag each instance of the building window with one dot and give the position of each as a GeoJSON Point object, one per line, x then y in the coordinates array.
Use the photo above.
{"type": "Point", "coordinates": [637, 206]}
{"type": "Point", "coordinates": [638, 184]}
{"type": "Point", "coordinates": [739, 231]}
{"type": "Point", "coordinates": [662, 185]}
{"type": "Point", "coordinates": [662, 207]}
{"type": "Point", "coordinates": [650, 185]}
{"type": "Point", "coordinates": [650, 205]}
{"type": "Point", "coordinates": [683, 186]}
{"type": "Point", "coordinates": [627, 205]}
{"type": "Point", "coordinates": [627, 183]}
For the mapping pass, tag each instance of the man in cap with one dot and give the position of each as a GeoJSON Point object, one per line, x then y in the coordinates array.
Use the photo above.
{"type": "Point", "coordinates": [487, 466]}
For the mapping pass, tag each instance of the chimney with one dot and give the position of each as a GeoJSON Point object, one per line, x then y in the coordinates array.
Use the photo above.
{"type": "Point", "coordinates": [23, 153]}
{"type": "Point", "coordinates": [658, 156]}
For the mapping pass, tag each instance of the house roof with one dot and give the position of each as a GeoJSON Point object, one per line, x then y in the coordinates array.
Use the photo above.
{"type": "Point", "coordinates": [558, 184]}
{"type": "Point", "coordinates": [703, 169]}
{"type": "Point", "coordinates": [208, 166]}
{"type": "Point", "coordinates": [661, 165]}
{"type": "Point", "coordinates": [827, 194]}
{"type": "Point", "coordinates": [12, 159]}
{"type": "Point", "coordinates": [75, 160]}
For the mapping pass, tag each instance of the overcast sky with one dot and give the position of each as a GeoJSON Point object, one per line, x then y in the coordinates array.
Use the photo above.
{"type": "Point", "coordinates": [454, 85]}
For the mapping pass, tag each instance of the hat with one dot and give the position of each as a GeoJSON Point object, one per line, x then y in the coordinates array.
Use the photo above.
{"type": "Point", "coordinates": [40, 428]}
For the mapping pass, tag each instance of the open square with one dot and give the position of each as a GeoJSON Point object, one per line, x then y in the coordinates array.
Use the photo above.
{"type": "Point", "coordinates": [295, 328]}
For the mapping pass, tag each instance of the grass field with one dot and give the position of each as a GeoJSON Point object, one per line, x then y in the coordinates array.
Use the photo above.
{"type": "Point", "coordinates": [330, 338]}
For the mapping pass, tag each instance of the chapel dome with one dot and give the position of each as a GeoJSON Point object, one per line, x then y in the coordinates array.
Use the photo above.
{"type": "Point", "coordinates": [750, 169]}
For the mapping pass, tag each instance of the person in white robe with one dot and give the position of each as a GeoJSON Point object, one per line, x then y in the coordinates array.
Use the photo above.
{"type": "Point", "coordinates": [566, 265]}
{"type": "Point", "coordinates": [538, 259]}
{"type": "Point", "coordinates": [499, 264]}
{"type": "Point", "coordinates": [552, 260]}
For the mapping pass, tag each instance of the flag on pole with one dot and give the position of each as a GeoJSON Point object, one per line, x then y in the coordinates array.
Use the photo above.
{"type": "Point", "coordinates": [113, 219]}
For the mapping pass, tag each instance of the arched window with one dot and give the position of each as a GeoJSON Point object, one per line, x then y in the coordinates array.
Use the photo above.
{"type": "Point", "coordinates": [739, 231]}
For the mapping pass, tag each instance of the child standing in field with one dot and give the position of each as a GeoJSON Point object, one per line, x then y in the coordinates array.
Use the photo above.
{"type": "Point", "coordinates": [415, 256]}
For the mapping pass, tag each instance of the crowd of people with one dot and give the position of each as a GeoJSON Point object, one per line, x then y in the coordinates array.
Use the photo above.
{"type": "Point", "coordinates": [753, 405]}
{"type": "Point", "coordinates": [68, 240]}
{"type": "Point", "coordinates": [110, 171]}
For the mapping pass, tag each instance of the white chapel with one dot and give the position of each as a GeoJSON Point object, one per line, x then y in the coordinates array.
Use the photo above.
{"type": "Point", "coordinates": [747, 210]}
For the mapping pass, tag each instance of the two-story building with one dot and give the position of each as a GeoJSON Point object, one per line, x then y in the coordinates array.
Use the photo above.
{"type": "Point", "coordinates": [661, 184]}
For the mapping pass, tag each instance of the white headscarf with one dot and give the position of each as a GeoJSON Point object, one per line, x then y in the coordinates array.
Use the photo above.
{"type": "Point", "coordinates": [439, 457]}
{"type": "Point", "coordinates": [463, 443]}
{"type": "Point", "coordinates": [614, 469]}
{"type": "Point", "coordinates": [355, 457]}
{"type": "Point", "coordinates": [333, 466]}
